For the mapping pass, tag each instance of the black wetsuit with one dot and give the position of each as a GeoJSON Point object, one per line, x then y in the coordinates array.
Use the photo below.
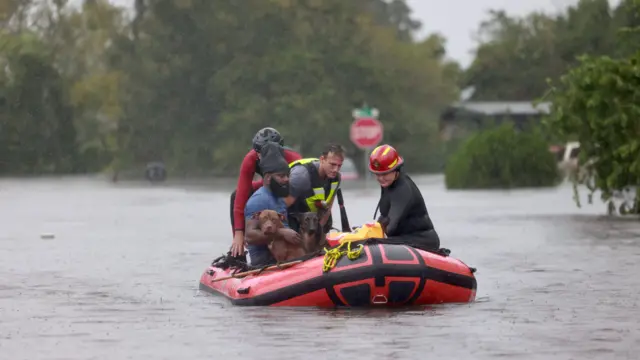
{"type": "Point", "coordinates": [405, 217]}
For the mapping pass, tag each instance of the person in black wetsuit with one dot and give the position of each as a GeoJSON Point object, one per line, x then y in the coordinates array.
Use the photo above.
{"type": "Point", "coordinates": [403, 213]}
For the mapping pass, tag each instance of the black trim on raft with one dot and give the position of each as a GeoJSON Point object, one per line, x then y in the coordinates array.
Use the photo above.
{"type": "Point", "coordinates": [376, 257]}
{"type": "Point", "coordinates": [333, 296]}
{"type": "Point", "coordinates": [423, 280]}
{"type": "Point", "coordinates": [378, 270]}
{"type": "Point", "coordinates": [396, 253]}
{"type": "Point", "coordinates": [400, 291]}
{"type": "Point", "coordinates": [331, 292]}
{"type": "Point", "coordinates": [358, 295]}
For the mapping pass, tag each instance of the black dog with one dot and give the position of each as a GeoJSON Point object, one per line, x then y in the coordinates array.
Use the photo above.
{"type": "Point", "coordinates": [313, 236]}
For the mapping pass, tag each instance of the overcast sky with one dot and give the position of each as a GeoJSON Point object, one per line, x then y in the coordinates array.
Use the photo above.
{"type": "Point", "coordinates": [458, 20]}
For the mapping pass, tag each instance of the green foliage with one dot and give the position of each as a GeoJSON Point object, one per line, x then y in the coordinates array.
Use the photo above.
{"type": "Point", "coordinates": [189, 82]}
{"type": "Point", "coordinates": [517, 55]}
{"type": "Point", "coordinates": [211, 73]}
{"type": "Point", "coordinates": [501, 158]}
{"type": "Point", "coordinates": [60, 103]}
{"type": "Point", "coordinates": [36, 122]}
{"type": "Point", "coordinates": [598, 102]}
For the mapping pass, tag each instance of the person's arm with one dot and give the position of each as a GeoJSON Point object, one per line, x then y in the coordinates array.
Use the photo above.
{"type": "Point", "coordinates": [252, 233]}
{"type": "Point", "coordinates": [329, 208]}
{"type": "Point", "coordinates": [291, 156]}
{"type": "Point", "coordinates": [325, 216]}
{"type": "Point", "coordinates": [401, 199]}
{"type": "Point", "coordinates": [243, 188]}
{"type": "Point", "coordinates": [299, 183]}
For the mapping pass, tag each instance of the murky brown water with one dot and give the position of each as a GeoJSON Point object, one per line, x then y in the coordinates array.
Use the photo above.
{"type": "Point", "coordinates": [119, 281]}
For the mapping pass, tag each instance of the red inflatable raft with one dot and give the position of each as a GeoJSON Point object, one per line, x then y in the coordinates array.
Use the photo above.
{"type": "Point", "coordinates": [382, 275]}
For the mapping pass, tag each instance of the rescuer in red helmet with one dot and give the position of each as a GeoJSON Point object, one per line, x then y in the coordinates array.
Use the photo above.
{"type": "Point", "coordinates": [403, 213]}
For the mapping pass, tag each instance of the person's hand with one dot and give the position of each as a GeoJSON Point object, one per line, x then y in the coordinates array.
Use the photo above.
{"type": "Point", "coordinates": [237, 246]}
{"type": "Point", "coordinates": [321, 204]}
{"type": "Point", "coordinates": [290, 236]}
{"type": "Point", "coordinates": [384, 222]}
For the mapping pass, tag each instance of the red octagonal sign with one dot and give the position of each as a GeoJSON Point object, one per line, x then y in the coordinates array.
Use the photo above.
{"type": "Point", "coordinates": [366, 132]}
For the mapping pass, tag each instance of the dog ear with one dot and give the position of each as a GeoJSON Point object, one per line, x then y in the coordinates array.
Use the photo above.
{"type": "Point", "coordinates": [282, 217]}
{"type": "Point", "coordinates": [296, 216]}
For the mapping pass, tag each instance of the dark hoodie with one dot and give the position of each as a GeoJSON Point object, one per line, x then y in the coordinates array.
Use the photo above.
{"type": "Point", "coordinates": [272, 159]}
{"type": "Point", "coordinates": [403, 211]}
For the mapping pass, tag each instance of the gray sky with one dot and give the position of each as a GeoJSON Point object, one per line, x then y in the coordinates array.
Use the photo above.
{"type": "Point", "coordinates": [458, 20]}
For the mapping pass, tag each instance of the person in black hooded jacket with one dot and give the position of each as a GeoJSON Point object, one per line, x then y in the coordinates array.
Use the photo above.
{"type": "Point", "coordinates": [403, 213]}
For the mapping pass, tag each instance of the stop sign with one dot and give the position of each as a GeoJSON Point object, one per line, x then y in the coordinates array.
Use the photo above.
{"type": "Point", "coordinates": [366, 132]}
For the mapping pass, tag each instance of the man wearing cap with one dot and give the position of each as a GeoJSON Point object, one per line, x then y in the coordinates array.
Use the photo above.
{"type": "Point", "coordinates": [269, 197]}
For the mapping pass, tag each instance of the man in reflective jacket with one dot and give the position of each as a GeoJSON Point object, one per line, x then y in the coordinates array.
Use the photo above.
{"type": "Point", "coordinates": [313, 184]}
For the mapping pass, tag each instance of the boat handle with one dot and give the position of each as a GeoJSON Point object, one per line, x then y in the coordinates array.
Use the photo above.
{"type": "Point", "coordinates": [379, 299]}
{"type": "Point", "coordinates": [244, 291]}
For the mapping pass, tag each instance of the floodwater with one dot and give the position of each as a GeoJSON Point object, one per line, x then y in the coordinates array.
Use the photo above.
{"type": "Point", "coordinates": [119, 280]}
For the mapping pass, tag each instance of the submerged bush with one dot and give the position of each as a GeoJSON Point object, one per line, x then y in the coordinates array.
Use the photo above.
{"type": "Point", "coordinates": [502, 157]}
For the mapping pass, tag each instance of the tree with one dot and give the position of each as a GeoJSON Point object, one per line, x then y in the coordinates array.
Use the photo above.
{"type": "Point", "coordinates": [189, 82]}
{"type": "Point", "coordinates": [395, 14]}
{"type": "Point", "coordinates": [36, 120]}
{"type": "Point", "coordinates": [597, 101]}
{"type": "Point", "coordinates": [516, 55]}
{"type": "Point", "coordinates": [502, 158]}
{"type": "Point", "coordinates": [210, 73]}
{"type": "Point", "coordinates": [81, 40]}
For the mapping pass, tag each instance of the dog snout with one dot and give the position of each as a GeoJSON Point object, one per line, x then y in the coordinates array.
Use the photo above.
{"type": "Point", "coordinates": [268, 227]}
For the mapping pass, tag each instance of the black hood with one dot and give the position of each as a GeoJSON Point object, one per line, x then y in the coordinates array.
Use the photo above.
{"type": "Point", "coordinates": [272, 159]}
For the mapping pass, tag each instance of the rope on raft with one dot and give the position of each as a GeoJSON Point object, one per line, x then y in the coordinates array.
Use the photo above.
{"type": "Point", "coordinates": [331, 256]}
{"type": "Point", "coordinates": [228, 262]}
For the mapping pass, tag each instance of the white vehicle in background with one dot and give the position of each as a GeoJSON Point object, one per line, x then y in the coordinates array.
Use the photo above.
{"type": "Point", "coordinates": [567, 156]}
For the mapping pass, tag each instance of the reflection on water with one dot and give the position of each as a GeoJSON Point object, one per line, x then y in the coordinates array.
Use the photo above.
{"type": "Point", "coordinates": [119, 280]}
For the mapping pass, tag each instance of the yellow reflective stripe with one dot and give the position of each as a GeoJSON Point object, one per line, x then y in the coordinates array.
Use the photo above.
{"type": "Point", "coordinates": [319, 195]}
{"type": "Point", "coordinates": [376, 150]}
{"type": "Point", "coordinates": [393, 164]}
{"type": "Point", "coordinates": [386, 151]}
{"type": "Point", "coordinates": [302, 162]}
{"type": "Point", "coordinates": [311, 203]}
{"type": "Point", "coordinates": [332, 191]}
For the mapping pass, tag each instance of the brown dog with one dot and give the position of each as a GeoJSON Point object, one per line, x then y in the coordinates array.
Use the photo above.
{"type": "Point", "coordinates": [270, 223]}
{"type": "Point", "coordinates": [313, 236]}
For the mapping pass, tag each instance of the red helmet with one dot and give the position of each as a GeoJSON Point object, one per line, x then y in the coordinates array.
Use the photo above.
{"type": "Point", "coordinates": [384, 159]}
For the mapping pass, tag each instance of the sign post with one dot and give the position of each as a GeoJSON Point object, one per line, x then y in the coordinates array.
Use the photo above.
{"type": "Point", "coordinates": [366, 133]}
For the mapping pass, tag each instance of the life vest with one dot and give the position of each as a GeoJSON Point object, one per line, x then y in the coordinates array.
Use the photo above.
{"type": "Point", "coordinates": [364, 232]}
{"type": "Point", "coordinates": [321, 190]}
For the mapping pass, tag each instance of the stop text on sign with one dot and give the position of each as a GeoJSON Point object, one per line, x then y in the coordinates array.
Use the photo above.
{"type": "Point", "coordinates": [366, 132]}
